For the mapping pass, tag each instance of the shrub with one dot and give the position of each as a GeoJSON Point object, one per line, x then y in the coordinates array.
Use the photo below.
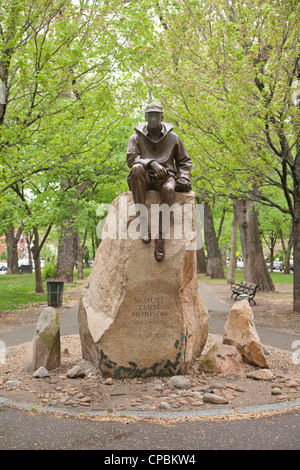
{"type": "Point", "coordinates": [49, 270]}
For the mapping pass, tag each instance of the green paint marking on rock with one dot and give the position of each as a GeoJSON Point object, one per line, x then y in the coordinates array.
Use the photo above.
{"type": "Point", "coordinates": [133, 364]}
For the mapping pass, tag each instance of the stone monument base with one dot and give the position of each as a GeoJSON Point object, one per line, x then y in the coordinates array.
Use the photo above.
{"type": "Point", "coordinates": [139, 317]}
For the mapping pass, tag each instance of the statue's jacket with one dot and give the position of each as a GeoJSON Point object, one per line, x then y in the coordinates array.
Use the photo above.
{"type": "Point", "coordinates": [169, 151]}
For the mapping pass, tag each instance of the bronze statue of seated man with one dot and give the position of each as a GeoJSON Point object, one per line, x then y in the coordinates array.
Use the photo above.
{"type": "Point", "coordinates": [158, 160]}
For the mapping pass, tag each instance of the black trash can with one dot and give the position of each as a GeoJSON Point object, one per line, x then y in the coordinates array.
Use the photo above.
{"type": "Point", "coordinates": [55, 290]}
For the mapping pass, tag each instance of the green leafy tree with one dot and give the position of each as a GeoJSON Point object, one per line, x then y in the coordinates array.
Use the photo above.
{"type": "Point", "coordinates": [68, 74]}
{"type": "Point", "coordinates": [230, 77]}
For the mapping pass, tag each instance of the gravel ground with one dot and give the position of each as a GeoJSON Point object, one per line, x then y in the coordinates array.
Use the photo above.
{"type": "Point", "coordinates": [93, 393]}
{"type": "Point", "coordinates": [98, 394]}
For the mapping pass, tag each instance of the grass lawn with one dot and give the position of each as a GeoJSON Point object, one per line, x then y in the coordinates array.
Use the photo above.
{"type": "Point", "coordinates": [18, 291]}
{"type": "Point", "coordinates": [277, 277]}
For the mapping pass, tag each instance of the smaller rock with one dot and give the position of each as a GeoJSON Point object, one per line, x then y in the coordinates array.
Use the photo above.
{"type": "Point", "coordinates": [63, 400]}
{"type": "Point", "coordinates": [229, 396]}
{"type": "Point", "coordinates": [92, 375]}
{"type": "Point", "coordinates": [262, 374]}
{"type": "Point", "coordinates": [45, 346]}
{"type": "Point", "coordinates": [215, 399]}
{"type": "Point", "coordinates": [222, 359]}
{"type": "Point", "coordinates": [236, 388]}
{"type": "Point", "coordinates": [147, 398]}
{"type": "Point", "coordinates": [292, 384]}
{"type": "Point", "coordinates": [179, 381]}
{"type": "Point", "coordinates": [75, 373]}
{"type": "Point", "coordinates": [71, 403]}
{"type": "Point", "coordinates": [41, 373]}
{"type": "Point", "coordinates": [217, 386]}
{"type": "Point", "coordinates": [197, 395]}
{"type": "Point", "coordinates": [283, 397]}
{"type": "Point", "coordinates": [86, 366]}
{"type": "Point", "coordinates": [157, 382]}
{"type": "Point", "coordinates": [183, 402]}
{"type": "Point", "coordinates": [85, 400]}
{"type": "Point", "coordinates": [13, 383]}
{"type": "Point", "coordinates": [109, 381]}
{"type": "Point", "coordinates": [276, 391]}
{"type": "Point", "coordinates": [197, 403]}
{"type": "Point", "coordinates": [240, 331]}
{"type": "Point", "coordinates": [164, 405]}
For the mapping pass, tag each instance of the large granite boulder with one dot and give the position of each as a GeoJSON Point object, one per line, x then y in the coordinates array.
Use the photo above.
{"type": "Point", "coordinates": [240, 331]}
{"type": "Point", "coordinates": [139, 317]}
{"type": "Point", "coordinates": [44, 350]}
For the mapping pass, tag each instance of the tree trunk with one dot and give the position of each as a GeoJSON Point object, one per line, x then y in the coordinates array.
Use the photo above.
{"type": "Point", "coordinates": [296, 290]}
{"type": "Point", "coordinates": [93, 243]}
{"type": "Point", "coordinates": [233, 246]}
{"type": "Point", "coordinates": [271, 242]}
{"type": "Point", "coordinates": [28, 241]}
{"type": "Point", "coordinates": [86, 257]}
{"type": "Point", "coordinates": [201, 261]}
{"type": "Point", "coordinates": [255, 267]}
{"type": "Point", "coordinates": [214, 261]}
{"type": "Point", "coordinates": [67, 250]}
{"type": "Point", "coordinates": [271, 259]}
{"type": "Point", "coordinates": [12, 241]}
{"type": "Point", "coordinates": [296, 237]}
{"type": "Point", "coordinates": [287, 249]}
{"type": "Point", "coordinates": [36, 249]}
{"type": "Point", "coordinates": [80, 274]}
{"type": "Point", "coordinates": [223, 253]}
{"type": "Point", "coordinates": [80, 251]}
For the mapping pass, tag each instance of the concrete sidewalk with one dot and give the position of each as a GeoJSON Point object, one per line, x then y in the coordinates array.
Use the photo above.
{"type": "Point", "coordinates": [218, 310]}
{"type": "Point", "coordinates": [68, 326]}
{"type": "Point", "coordinates": [269, 336]}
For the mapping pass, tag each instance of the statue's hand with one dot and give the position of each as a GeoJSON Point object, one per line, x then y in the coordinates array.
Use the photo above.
{"type": "Point", "coordinates": [160, 171]}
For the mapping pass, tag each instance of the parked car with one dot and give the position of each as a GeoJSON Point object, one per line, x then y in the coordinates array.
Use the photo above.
{"type": "Point", "coordinates": [277, 265]}
{"type": "Point", "coordinates": [291, 267]}
{"type": "Point", "coordinates": [3, 267]}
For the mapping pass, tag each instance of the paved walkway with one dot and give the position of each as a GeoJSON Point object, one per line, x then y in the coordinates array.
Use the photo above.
{"type": "Point", "coordinates": [69, 325]}
{"type": "Point", "coordinates": [269, 336]}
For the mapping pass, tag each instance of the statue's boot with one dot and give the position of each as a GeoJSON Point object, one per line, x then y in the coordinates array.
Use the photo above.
{"type": "Point", "coordinates": [159, 252]}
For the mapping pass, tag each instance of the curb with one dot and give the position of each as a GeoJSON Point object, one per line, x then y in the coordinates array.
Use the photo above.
{"type": "Point", "coordinates": [222, 412]}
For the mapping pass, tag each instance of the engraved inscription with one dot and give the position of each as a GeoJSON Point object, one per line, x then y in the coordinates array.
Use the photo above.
{"type": "Point", "coordinates": [149, 311]}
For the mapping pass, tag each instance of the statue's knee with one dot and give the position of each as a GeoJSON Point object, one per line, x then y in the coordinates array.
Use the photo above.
{"type": "Point", "coordinates": [137, 170]}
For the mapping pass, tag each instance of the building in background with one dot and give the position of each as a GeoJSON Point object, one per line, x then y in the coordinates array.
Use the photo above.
{"type": "Point", "coordinates": [22, 247]}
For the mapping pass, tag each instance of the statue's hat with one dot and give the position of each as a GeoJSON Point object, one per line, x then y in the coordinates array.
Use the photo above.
{"type": "Point", "coordinates": [154, 108]}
